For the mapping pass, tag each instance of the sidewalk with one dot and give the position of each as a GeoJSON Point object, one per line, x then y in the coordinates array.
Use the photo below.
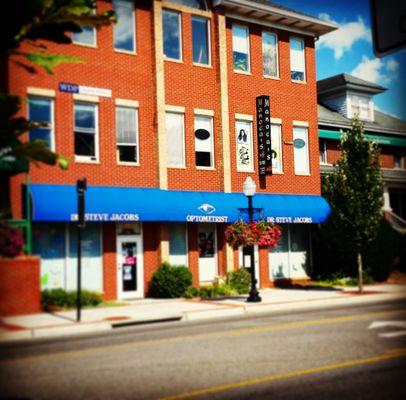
{"type": "Point", "coordinates": [160, 310]}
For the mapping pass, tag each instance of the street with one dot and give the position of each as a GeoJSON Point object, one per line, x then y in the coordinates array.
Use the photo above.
{"type": "Point", "coordinates": [346, 353]}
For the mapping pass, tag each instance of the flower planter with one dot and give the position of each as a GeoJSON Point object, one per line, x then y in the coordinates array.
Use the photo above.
{"type": "Point", "coordinates": [261, 233]}
{"type": "Point", "coordinates": [20, 286]}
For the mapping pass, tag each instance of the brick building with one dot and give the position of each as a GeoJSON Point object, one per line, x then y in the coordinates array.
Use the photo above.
{"type": "Point", "coordinates": [161, 120]}
{"type": "Point", "coordinates": [343, 96]}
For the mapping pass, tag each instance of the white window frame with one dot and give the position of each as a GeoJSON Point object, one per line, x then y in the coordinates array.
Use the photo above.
{"type": "Point", "coordinates": [240, 168]}
{"type": "Point", "coordinates": [246, 28]}
{"type": "Point", "coordinates": [280, 170]}
{"type": "Point", "coordinates": [355, 101]}
{"type": "Point", "coordinates": [305, 172]}
{"type": "Point", "coordinates": [323, 155]}
{"type": "Point", "coordinates": [304, 59]}
{"type": "Point", "coordinates": [137, 143]}
{"type": "Point", "coordinates": [174, 110]}
{"type": "Point", "coordinates": [180, 59]}
{"type": "Point", "coordinates": [277, 54]}
{"type": "Point", "coordinates": [89, 159]}
{"type": "Point", "coordinates": [134, 25]}
{"type": "Point", "coordinates": [208, 41]}
{"type": "Point", "coordinates": [209, 114]}
{"type": "Point", "coordinates": [52, 130]}
{"type": "Point", "coordinates": [92, 45]}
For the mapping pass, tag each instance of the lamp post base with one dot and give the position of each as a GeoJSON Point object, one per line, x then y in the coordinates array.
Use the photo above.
{"type": "Point", "coordinates": [254, 297]}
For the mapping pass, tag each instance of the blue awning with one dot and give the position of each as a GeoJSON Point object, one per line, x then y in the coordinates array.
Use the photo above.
{"type": "Point", "coordinates": [126, 204]}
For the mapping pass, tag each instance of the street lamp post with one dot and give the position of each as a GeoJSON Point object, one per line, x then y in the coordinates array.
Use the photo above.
{"type": "Point", "coordinates": [249, 187]}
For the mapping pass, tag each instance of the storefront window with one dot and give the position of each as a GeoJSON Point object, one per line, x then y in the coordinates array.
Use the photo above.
{"type": "Point", "coordinates": [178, 254]}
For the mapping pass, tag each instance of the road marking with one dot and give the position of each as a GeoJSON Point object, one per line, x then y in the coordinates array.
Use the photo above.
{"type": "Point", "coordinates": [383, 324]}
{"type": "Point", "coordinates": [352, 363]}
{"type": "Point", "coordinates": [242, 331]}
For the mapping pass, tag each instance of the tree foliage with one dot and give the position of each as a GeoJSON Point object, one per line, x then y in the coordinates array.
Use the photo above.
{"type": "Point", "coordinates": [355, 189]}
{"type": "Point", "coordinates": [355, 194]}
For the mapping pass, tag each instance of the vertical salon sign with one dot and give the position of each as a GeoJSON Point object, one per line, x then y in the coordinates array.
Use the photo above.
{"type": "Point", "coordinates": [264, 136]}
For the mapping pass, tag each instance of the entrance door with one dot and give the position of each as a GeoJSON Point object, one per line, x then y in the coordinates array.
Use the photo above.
{"type": "Point", "coordinates": [130, 274]}
{"type": "Point", "coordinates": [244, 258]}
{"type": "Point", "coordinates": [206, 240]}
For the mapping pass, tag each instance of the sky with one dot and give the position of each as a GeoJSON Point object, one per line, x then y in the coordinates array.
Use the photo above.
{"type": "Point", "coordinates": [350, 50]}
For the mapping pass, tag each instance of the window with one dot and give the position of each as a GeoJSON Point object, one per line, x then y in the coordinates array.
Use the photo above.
{"type": "Point", "coordinates": [301, 150]}
{"type": "Point", "coordinates": [204, 141]}
{"type": "Point", "coordinates": [127, 134]}
{"type": "Point", "coordinates": [87, 36]}
{"type": "Point", "coordinates": [360, 106]}
{"type": "Point", "coordinates": [241, 45]}
{"type": "Point", "coordinates": [243, 133]}
{"type": "Point", "coordinates": [86, 134]}
{"type": "Point", "coordinates": [175, 139]}
{"type": "Point", "coordinates": [41, 109]}
{"type": "Point", "coordinates": [270, 54]}
{"type": "Point", "coordinates": [323, 152]}
{"type": "Point", "coordinates": [201, 40]}
{"type": "Point", "coordinates": [276, 145]}
{"type": "Point", "coordinates": [199, 4]}
{"type": "Point", "coordinates": [297, 60]}
{"type": "Point", "coordinates": [397, 161]}
{"type": "Point", "coordinates": [178, 253]}
{"type": "Point", "coordinates": [172, 34]}
{"type": "Point", "coordinates": [124, 30]}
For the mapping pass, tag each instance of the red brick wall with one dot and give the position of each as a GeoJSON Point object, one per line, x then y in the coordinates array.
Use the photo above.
{"type": "Point", "coordinates": [333, 153]}
{"type": "Point", "coordinates": [20, 286]}
{"type": "Point", "coordinates": [387, 159]}
{"type": "Point", "coordinates": [289, 101]}
{"type": "Point", "coordinates": [129, 77]}
{"type": "Point", "coordinates": [193, 252]}
{"type": "Point", "coordinates": [151, 244]}
{"type": "Point", "coordinates": [109, 261]}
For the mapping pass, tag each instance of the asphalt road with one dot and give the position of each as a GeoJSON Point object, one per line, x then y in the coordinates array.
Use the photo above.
{"type": "Point", "coordinates": [325, 354]}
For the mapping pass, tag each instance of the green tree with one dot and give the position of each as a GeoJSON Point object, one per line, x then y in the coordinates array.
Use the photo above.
{"type": "Point", "coordinates": [31, 22]}
{"type": "Point", "coordinates": [355, 193]}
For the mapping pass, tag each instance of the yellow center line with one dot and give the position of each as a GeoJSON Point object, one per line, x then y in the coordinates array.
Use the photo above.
{"type": "Point", "coordinates": [232, 332]}
{"type": "Point", "coordinates": [285, 375]}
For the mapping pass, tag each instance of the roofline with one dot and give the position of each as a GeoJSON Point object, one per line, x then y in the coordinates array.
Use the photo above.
{"type": "Point", "coordinates": [350, 86]}
{"type": "Point", "coordinates": [389, 131]}
{"type": "Point", "coordinates": [325, 26]}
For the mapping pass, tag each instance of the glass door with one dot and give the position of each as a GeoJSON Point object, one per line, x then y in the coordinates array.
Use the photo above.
{"type": "Point", "coordinates": [129, 267]}
{"type": "Point", "coordinates": [206, 240]}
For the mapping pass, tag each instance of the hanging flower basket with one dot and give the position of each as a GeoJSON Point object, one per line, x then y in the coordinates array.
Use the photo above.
{"type": "Point", "coordinates": [261, 233]}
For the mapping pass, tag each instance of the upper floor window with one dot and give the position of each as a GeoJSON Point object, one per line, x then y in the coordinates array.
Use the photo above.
{"type": "Point", "coordinates": [323, 152]}
{"type": "Point", "coordinates": [124, 29]}
{"type": "Point", "coordinates": [201, 41]}
{"type": "Point", "coordinates": [175, 139]}
{"type": "Point", "coordinates": [276, 148]}
{"type": "Point", "coordinates": [86, 132]}
{"type": "Point", "coordinates": [297, 60]}
{"type": "Point", "coordinates": [127, 134]}
{"type": "Point", "coordinates": [243, 132]}
{"type": "Point", "coordinates": [172, 34]}
{"type": "Point", "coordinates": [361, 105]}
{"type": "Point", "coordinates": [241, 48]}
{"type": "Point", "coordinates": [270, 54]}
{"type": "Point", "coordinates": [87, 36]}
{"type": "Point", "coordinates": [301, 150]}
{"type": "Point", "coordinates": [200, 4]}
{"type": "Point", "coordinates": [41, 109]}
{"type": "Point", "coordinates": [204, 141]}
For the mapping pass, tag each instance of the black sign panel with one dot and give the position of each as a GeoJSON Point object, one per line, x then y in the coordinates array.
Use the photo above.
{"type": "Point", "coordinates": [264, 135]}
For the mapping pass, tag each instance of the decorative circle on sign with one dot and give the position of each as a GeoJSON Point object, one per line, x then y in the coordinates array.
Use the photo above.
{"type": "Point", "coordinates": [299, 143]}
{"type": "Point", "coordinates": [202, 134]}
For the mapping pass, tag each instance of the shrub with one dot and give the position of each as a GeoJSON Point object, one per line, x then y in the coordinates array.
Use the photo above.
{"type": "Point", "coordinates": [67, 299]}
{"type": "Point", "coordinates": [239, 280]}
{"type": "Point", "coordinates": [170, 281]}
{"type": "Point", "coordinates": [191, 292]}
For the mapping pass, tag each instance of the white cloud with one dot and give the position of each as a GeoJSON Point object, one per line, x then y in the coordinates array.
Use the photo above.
{"type": "Point", "coordinates": [376, 70]}
{"type": "Point", "coordinates": [345, 36]}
